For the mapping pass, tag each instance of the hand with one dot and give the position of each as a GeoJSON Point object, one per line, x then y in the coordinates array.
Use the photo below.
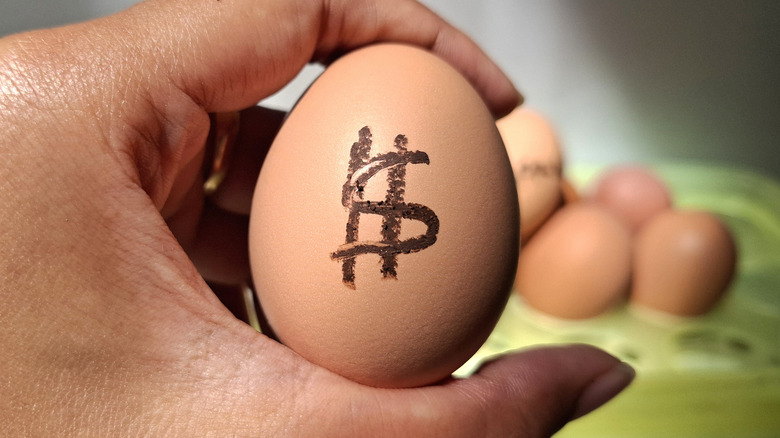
{"type": "Point", "coordinates": [109, 329]}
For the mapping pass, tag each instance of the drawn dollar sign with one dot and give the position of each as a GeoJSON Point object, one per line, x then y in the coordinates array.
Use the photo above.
{"type": "Point", "coordinates": [361, 169]}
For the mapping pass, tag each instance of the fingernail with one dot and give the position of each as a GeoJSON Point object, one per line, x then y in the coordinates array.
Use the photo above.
{"type": "Point", "coordinates": [604, 388]}
{"type": "Point", "coordinates": [520, 98]}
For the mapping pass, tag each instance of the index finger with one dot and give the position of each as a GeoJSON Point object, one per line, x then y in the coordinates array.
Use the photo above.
{"type": "Point", "coordinates": [228, 55]}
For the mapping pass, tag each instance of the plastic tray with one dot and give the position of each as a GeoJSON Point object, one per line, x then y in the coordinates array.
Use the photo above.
{"type": "Point", "coordinates": [711, 376]}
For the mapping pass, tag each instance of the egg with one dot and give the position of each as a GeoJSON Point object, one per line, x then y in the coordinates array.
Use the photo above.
{"type": "Point", "coordinates": [633, 193]}
{"type": "Point", "coordinates": [384, 230]}
{"type": "Point", "coordinates": [578, 265]}
{"type": "Point", "coordinates": [684, 262]}
{"type": "Point", "coordinates": [535, 155]}
{"type": "Point", "coordinates": [569, 192]}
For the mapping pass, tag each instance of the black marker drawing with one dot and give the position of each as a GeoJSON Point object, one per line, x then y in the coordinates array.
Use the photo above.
{"type": "Point", "coordinates": [361, 169]}
{"type": "Point", "coordinates": [536, 169]}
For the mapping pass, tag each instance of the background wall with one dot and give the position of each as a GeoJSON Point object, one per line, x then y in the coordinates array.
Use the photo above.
{"type": "Point", "coordinates": [641, 80]}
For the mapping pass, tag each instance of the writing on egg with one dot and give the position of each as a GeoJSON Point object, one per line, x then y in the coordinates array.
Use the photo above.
{"type": "Point", "coordinates": [361, 169]}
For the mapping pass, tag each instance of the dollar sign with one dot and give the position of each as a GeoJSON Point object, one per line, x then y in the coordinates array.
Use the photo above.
{"type": "Point", "coordinates": [361, 169]}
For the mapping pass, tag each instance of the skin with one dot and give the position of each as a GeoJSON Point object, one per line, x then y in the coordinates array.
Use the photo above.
{"type": "Point", "coordinates": [109, 325]}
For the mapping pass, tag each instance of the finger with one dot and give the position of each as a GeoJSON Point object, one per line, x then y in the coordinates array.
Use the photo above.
{"type": "Point", "coordinates": [219, 249]}
{"type": "Point", "coordinates": [186, 188]}
{"type": "Point", "coordinates": [554, 384]}
{"type": "Point", "coordinates": [257, 128]}
{"type": "Point", "coordinates": [215, 237]}
{"type": "Point", "coordinates": [531, 394]}
{"type": "Point", "coordinates": [543, 389]}
{"type": "Point", "coordinates": [244, 50]}
{"type": "Point", "coordinates": [184, 221]}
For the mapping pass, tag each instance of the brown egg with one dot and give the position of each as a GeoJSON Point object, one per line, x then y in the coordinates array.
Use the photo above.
{"type": "Point", "coordinates": [684, 262]}
{"type": "Point", "coordinates": [578, 265]}
{"type": "Point", "coordinates": [384, 230]}
{"type": "Point", "coordinates": [569, 193]}
{"type": "Point", "coordinates": [633, 193]}
{"type": "Point", "coordinates": [535, 155]}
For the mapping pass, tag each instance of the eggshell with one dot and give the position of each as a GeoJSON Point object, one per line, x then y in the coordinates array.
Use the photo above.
{"type": "Point", "coordinates": [634, 193]}
{"type": "Point", "coordinates": [569, 192]}
{"type": "Point", "coordinates": [684, 262]}
{"type": "Point", "coordinates": [434, 242]}
{"type": "Point", "coordinates": [578, 265]}
{"type": "Point", "coordinates": [535, 155]}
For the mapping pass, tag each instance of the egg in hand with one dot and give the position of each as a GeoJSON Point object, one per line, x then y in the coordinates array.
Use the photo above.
{"type": "Point", "coordinates": [384, 231]}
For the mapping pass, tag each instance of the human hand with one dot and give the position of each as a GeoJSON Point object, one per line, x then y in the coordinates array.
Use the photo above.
{"type": "Point", "coordinates": [109, 327]}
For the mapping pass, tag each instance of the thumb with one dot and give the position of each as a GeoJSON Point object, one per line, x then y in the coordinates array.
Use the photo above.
{"type": "Point", "coordinates": [536, 392]}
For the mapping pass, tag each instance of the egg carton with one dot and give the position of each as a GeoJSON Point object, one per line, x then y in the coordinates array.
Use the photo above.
{"type": "Point", "coordinates": [717, 375]}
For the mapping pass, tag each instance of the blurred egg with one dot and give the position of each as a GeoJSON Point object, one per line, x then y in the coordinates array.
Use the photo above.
{"type": "Point", "coordinates": [578, 265]}
{"type": "Point", "coordinates": [536, 160]}
{"type": "Point", "coordinates": [569, 193]}
{"type": "Point", "coordinates": [384, 230]}
{"type": "Point", "coordinates": [633, 193]}
{"type": "Point", "coordinates": [684, 262]}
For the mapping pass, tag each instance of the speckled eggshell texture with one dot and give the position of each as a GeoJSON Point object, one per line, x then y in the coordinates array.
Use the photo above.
{"type": "Point", "coordinates": [384, 229]}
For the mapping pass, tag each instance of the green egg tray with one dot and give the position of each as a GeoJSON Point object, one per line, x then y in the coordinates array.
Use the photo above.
{"type": "Point", "coordinates": [712, 376]}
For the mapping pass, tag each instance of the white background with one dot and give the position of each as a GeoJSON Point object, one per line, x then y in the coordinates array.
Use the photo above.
{"type": "Point", "coordinates": [638, 80]}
